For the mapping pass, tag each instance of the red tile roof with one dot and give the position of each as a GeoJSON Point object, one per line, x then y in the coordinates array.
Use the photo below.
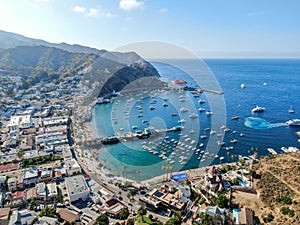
{"type": "Point", "coordinates": [179, 81]}
{"type": "Point", "coordinates": [8, 167]}
{"type": "Point", "coordinates": [19, 194]}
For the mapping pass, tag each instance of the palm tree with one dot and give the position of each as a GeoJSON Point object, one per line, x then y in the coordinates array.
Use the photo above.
{"type": "Point", "coordinates": [163, 168]}
{"type": "Point", "coordinates": [171, 167]}
{"type": "Point", "coordinates": [142, 212]}
{"type": "Point", "coordinates": [228, 153]}
{"type": "Point", "coordinates": [123, 171]}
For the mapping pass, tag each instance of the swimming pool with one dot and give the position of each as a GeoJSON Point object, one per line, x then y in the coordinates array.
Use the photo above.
{"type": "Point", "coordinates": [242, 183]}
{"type": "Point", "coordinates": [236, 215]}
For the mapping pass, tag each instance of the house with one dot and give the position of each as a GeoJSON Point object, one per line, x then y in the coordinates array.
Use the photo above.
{"type": "Point", "coordinates": [170, 200]}
{"type": "Point", "coordinates": [179, 82]}
{"type": "Point", "coordinates": [112, 207]}
{"type": "Point", "coordinates": [14, 200]}
{"type": "Point", "coordinates": [30, 176]}
{"type": "Point", "coordinates": [4, 214]}
{"type": "Point", "coordinates": [46, 175]}
{"type": "Point", "coordinates": [72, 167]}
{"type": "Point", "coordinates": [21, 217]}
{"type": "Point", "coordinates": [52, 191]}
{"type": "Point", "coordinates": [77, 188]}
{"type": "Point", "coordinates": [20, 122]}
{"type": "Point", "coordinates": [245, 216]}
{"type": "Point", "coordinates": [12, 184]}
{"type": "Point", "coordinates": [2, 182]}
{"type": "Point", "coordinates": [215, 211]}
{"type": "Point", "coordinates": [68, 216]}
{"type": "Point", "coordinates": [41, 192]}
{"type": "Point", "coordinates": [30, 194]}
{"type": "Point", "coordinates": [45, 220]}
{"type": "Point", "coordinates": [214, 179]}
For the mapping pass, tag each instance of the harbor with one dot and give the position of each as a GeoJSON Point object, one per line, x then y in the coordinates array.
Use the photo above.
{"type": "Point", "coordinates": [199, 142]}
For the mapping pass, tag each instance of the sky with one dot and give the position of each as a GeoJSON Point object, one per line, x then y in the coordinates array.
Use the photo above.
{"type": "Point", "coordinates": [210, 28]}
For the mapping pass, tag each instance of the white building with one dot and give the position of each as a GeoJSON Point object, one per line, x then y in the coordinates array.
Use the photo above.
{"type": "Point", "coordinates": [41, 191]}
{"type": "Point", "coordinates": [52, 190]}
{"type": "Point", "coordinates": [77, 188]}
{"type": "Point", "coordinates": [20, 122]}
{"type": "Point", "coordinates": [30, 176]}
{"type": "Point", "coordinates": [52, 138]}
{"type": "Point", "coordinates": [72, 167]}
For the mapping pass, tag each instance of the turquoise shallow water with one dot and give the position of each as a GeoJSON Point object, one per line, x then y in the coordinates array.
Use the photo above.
{"type": "Point", "coordinates": [134, 159]}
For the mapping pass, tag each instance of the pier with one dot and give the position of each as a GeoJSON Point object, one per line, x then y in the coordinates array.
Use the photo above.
{"type": "Point", "coordinates": [272, 151]}
{"type": "Point", "coordinates": [129, 136]}
{"type": "Point", "coordinates": [199, 90]}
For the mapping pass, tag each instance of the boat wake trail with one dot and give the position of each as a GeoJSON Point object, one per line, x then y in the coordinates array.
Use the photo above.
{"type": "Point", "coordinates": [261, 124]}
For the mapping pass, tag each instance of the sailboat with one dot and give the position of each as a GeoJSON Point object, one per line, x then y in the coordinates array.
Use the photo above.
{"type": "Point", "coordinates": [291, 110]}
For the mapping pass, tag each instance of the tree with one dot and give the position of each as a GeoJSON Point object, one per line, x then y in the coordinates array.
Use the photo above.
{"type": "Point", "coordinates": [32, 203]}
{"type": "Point", "coordinates": [176, 220]}
{"type": "Point", "coordinates": [48, 211]}
{"type": "Point", "coordinates": [102, 220]}
{"type": "Point", "coordinates": [130, 221]}
{"type": "Point", "coordinates": [124, 213]}
{"type": "Point", "coordinates": [222, 201]}
{"type": "Point", "coordinates": [142, 212]}
{"type": "Point", "coordinates": [20, 153]}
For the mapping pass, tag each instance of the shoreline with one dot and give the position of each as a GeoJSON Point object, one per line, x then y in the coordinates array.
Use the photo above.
{"type": "Point", "coordinates": [106, 174]}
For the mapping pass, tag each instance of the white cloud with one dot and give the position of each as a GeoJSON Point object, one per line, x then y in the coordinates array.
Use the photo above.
{"type": "Point", "coordinates": [108, 14]}
{"type": "Point", "coordinates": [92, 12]}
{"type": "Point", "coordinates": [164, 10]}
{"type": "Point", "coordinates": [79, 9]}
{"type": "Point", "coordinates": [130, 4]}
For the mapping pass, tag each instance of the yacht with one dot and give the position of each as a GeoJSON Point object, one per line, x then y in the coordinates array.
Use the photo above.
{"type": "Point", "coordinates": [181, 121]}
{"type": "Point", "coordinates": [293, 122]}
{"type": "Point", "coordinates": [201, 101]}
{"type": "Point", "coordinates": [291, 110]}
{"type": "Point", "coordinates": [174, 114]}
{"type": "Point", "coordinates": [243, 85]}
{"type": "Point", "coordinates": [258, 109]}
{"type": "Point", "coordinates": [165, 104]}
{"type": "Point", "coordinates": [234, 141]}
{"type": "Point", "coordinates": [212, 132]}
{"type": "Point", "coordinates": [193, 115]}
{"type": "Point", "coordinates": [235, 117]}
{"type": "Point", "coordinates": [153, 101]}
{"type": "Point", "coordinates": [209, 113]}
{"type": "Point", "coordinates": [220, 143]}
{"type": "Point", "coordinates": [201, 109]}
{"type": "Point", "coordinates": [151, 107]}
{"type": "Point", "coordinates": [183, 109]}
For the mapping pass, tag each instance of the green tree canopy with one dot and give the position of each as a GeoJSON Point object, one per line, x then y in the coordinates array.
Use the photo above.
{"type": "Point", "coordinates": [48, 211]}
{"type": "Point", "coordinates": [222, 201]}
{"type": "Point", "coordinates": [102, 220]}
{"type": "Point", "coordinates": [124, 214]}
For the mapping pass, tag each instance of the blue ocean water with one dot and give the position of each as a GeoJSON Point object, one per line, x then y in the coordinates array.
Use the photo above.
{"type": "Point", "coordinates": [270, 83]}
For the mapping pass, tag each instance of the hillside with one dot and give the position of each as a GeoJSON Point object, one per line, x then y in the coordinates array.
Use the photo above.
{"type": "Point", "coordinates": [12, 40]}
{"type": "Point", "coordinates": [35, 63]}
{"type": "Point", "coordinates": [37, 60]}
{"type": "Point", "coordinates": [278, 182]}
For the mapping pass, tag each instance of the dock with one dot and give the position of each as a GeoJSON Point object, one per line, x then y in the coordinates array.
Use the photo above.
{"type": "Point", "coordinates": [272, 151]}
{"type": "Point", "coordinates": [118, 137]}
{"type": "Point", "coordinates": [200, 90]}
